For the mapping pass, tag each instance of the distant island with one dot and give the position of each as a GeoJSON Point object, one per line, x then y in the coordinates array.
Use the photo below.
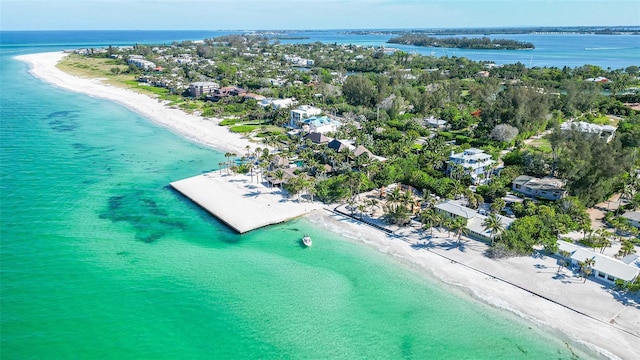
{"type": "Point", "coordinates": [461, 43]}
{"type": "Point", "coordinates": [595, 30]}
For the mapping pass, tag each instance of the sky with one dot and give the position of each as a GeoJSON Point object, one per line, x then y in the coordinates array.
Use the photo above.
{"type": "Point", "coordinates": [310, 14]}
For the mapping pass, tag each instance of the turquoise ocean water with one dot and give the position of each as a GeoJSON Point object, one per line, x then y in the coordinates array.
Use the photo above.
{"type": "Point", "coordinates": [100, 259]}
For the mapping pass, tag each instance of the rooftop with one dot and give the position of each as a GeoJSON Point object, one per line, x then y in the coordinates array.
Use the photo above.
{"type": "Point", "coordinates": [318, 121]}
{"type": "Point", "coordinates": [547, 183]}
{"type": "Point", "coordinates": [632, 215]}
{"type": "Point", "coordinates": [603, 263]}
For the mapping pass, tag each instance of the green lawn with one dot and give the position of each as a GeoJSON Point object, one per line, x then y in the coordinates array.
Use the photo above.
{"type": "Point", "coordinates": [541, 144]}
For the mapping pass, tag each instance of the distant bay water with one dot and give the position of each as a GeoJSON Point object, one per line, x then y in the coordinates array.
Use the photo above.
{"type": "Point", "coordinates": [99, 259]}
{"type": "Point", "coordinates": [552, 50]}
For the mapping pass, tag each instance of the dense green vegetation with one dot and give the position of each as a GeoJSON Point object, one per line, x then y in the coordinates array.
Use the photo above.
{"type": "Point", "coordinates": [383, 100]}
{"type": "Point", "coordinates": [461, 43]}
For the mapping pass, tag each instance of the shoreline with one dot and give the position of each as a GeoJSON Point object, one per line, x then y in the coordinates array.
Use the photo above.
{"type": "Point", "coordinates": [453, 269]}
{"type": "Point", "coordinates": [594, 335]}
{"type": "Point", "coordinates": [204, 131]}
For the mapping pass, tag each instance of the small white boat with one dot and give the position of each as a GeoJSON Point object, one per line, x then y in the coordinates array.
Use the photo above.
{"type": "Point", "coordinates": [306, 240]}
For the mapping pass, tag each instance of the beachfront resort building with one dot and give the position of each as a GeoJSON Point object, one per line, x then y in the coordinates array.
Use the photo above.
{"type": "Point", "coordinates": [475, 220]}
{"type": "Point", "coordinates": [546, 188]}
{"type": "Point", "coordinates": [604, 268]}
{"type": "Point", "coordinates": [605, 132]}
{"type": "Point", "coordinates": [200, 88]}
{"type": "Point", "coordinates": [474, 162]}
{"type": "Point", "coordinates": [139, 61]}
{"type": "Point", "coordinates": [302, 112]}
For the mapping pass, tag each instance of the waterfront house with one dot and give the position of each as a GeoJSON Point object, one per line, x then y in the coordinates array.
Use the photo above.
{"type": "Point", "coordinates": [199, 88]}
{"type": "Point", "coordinates": [302, 112]}
{"type": "Point", "coordinates": [605, 268]}
{"type": "Point", "coordinates": [475, 220]}
{"type": "Point", "coordinates": [474, 162]}
{"type": "Point", "coordinates": [546, 188]}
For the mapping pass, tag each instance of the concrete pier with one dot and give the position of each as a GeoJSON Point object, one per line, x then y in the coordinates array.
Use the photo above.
{"type": "Point", "coordinates": [240, 203]}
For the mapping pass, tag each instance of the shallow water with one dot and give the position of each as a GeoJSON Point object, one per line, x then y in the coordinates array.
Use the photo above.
{"type": "Point", "coordinates": [100, 259]}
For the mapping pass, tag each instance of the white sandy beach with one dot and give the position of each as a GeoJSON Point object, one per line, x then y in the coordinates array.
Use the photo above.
{"type": "Point", "coordinates": [604, 324]}
{"type": "Point", "coordinates": [196, 128]}
{"type": "Point", "coordinates": [585, 312]}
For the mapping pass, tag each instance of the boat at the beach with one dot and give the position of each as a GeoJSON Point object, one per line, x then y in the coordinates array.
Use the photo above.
{"type": "Point", "coordinates": [306, 240]}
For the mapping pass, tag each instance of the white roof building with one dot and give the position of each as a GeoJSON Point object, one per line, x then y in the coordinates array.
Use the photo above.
{"type": "Point", "coordinates": [435, 123]}
{"type": "Point", "coordinates": [277, 103]}
{"type": "Point", "coordinates": [474, 218]}
{"type": "Point", "coordinates": [547, 188]}
{"type": "Point", "coordinates": [633, 217]}
{"type": "Point", "coordinates": [604, 131]}
{"type": "Point", "coordinates": [604, 268]}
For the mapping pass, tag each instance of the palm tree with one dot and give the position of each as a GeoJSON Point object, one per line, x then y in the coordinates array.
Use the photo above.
{"type": "Point", "coordinates": [429, 218]}
{"type": "Point", "coordinates": [312, 190]}
{"type": "Point", "coordinates": [565, 255]}
{"type": "Point", "coordinates": [228, 156]}
{"type": "Point", "coordinates": [586, 266]}
{"type": "Point", "coordinates": [494, 225]}
{"type": "Point", "coordinates": [221, 165]}
{"type": "Point", "coordinates": [279, 175]}
{"type": "Point", "coordinates": [361, 209]}
{"type": "Point", "coordinates": [626, 248]}
{"type": "Point", "coordinates": [372, 203]}
{"type": "Point", "coordinates": [604, 243]}
{"type": "Point", "coordinates": [459, 227]}
{"type": "Point", "coordinates": [497, 206]}
{"type": "Point", "coordinates": [394, 197]}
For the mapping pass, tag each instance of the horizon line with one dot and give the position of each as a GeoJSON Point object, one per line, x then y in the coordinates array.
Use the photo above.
{"type": "Point", "coordinates": [636, 27]}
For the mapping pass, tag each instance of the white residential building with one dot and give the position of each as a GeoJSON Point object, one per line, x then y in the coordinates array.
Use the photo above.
{"type": "Point", "coordinates": [633, 217]}
{"type": "Point", "coordinates": [605, 268]}
{"type": "Point", "coordinates": [475, 163]}
{"type": "Point", "coordinates": [140, 62]}
{"type": "Point", "coordinates": [320, 124]}
{"type": "Point", "coordinates": [546, 188]}
{"type": "Point", "coordinates": [474, 219]}
{"type": "Point", "coordinates": [301, 113]}
{"type": "Point", "coordinates": [277, 103]}
{"type": "Point", "coordinates": [604, 131]}
{"type": "Point", "coordinates": [199, 88]}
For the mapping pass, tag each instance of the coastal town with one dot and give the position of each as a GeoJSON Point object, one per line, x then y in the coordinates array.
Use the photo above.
{"type": "Point", "coordinates": [488, 167]}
